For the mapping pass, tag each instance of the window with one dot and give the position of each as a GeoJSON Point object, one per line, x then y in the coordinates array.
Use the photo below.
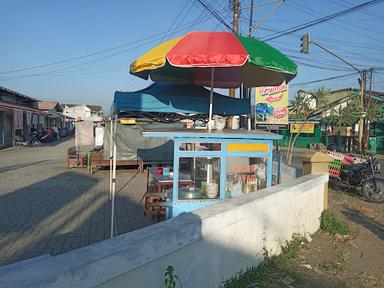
{"type": "Point", "coordinates": [245, 175]}
{"type": "Point", "coordinates": [195, 146]}
{"type": "Point", "coordinates": [199, 178]}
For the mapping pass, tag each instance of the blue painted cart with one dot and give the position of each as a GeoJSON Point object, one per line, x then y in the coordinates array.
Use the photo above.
{"type": "Point", "coordinates": [221, 164]}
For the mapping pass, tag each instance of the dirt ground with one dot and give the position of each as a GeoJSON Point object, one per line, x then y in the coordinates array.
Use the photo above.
{"type": "Point", "coordinates": [355, 260]}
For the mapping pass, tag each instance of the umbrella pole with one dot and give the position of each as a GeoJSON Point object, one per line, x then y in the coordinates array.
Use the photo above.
{"type": "Point", "coordinates": [210, 123]}
{"type": "Point", "coordinates": [211, 99]}
{"type": "Point", "coordinates": [113, 177]}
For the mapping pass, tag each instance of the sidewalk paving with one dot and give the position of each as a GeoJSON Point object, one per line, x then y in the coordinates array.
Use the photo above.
{"type": "Point", "coordinates": [47, 208]}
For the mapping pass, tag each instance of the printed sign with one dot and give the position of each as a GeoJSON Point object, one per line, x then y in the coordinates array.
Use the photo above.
{"type": "Point", "coordinates": [302, 128]}
{"type": "Point", "coordinates": [271, 105]}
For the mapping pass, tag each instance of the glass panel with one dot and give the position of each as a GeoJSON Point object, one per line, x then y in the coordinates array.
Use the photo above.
{"type": "Point", "coordinates": [245, 175]}
{"type": "Point", "coordinates": [204, 173]}
{"type": "Point", "coordinates": [200, 147]}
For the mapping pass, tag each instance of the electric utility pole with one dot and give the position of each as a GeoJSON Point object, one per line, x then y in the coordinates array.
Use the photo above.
{"type": "Point", "coordinates": [248, 91]}
{"type": "Point", "coordinates": [235, 29]}
{"type": "Point", "coordinates": [305, 41]}
{"type": "Point", "coordinates": [367, 109]}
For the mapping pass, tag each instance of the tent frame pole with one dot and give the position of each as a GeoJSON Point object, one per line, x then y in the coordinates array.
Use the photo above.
{"type": "Point", "coordinates": [110, 158]}
{"type": "Point", "coordinates": [113, 177]}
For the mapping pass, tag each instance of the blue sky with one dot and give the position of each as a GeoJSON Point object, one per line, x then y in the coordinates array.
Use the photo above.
{"type": "Point", "coordinates": [40, 32]}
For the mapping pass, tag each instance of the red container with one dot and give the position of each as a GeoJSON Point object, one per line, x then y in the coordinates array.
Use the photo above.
{"type": "Point", "coordinates": [159, 170]}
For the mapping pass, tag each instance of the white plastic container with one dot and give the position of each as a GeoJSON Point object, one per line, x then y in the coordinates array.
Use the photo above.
{"type": "Point", "coordinates": [212, 190]}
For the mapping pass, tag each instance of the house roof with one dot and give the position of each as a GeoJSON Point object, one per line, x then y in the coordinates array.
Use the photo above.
{"type": "Point", "coordinates": [46, 105]}
{"type": "Point", "coordinates": [3, 89]}
{"type": "Point", "coordinates": [94, 108]}
{"type": "Point", "coordinates": [12, 106]}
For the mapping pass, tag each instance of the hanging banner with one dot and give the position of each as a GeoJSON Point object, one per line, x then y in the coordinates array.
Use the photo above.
{"type": "Point", "coordinates": [17, 119]}
{"type": "Point", "coordinates": [302, 128]}
{"type": "Point", "coordinates": [271, 109]}
{"type": "Point", "coordinates": [84, 135]}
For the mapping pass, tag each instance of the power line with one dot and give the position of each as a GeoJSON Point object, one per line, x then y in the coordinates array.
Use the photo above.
{"type": "Point", "coordinates": [82, 56]}
{"type": "Point", "coordinates": [177, 17]}
{"type": "Point", "coordinates": [158, 35]}
{"type": "Point", "coordinates": [365, 11]}
{"type": "Point", "coordinates": [214, 14]}
{"type": "Point", "coordinates": [321, 20]}
{"type": "Point", "coordinates": [307, 10]}
{"type": "Point", "coordinates": [323, 80]}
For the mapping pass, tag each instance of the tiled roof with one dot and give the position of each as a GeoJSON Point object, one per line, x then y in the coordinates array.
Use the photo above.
{"type": "Point", "coordinates": [45, 105]}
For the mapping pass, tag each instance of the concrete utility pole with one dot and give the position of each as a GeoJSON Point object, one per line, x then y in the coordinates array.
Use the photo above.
{"type": "Point", "coordinates": [361, 122]}
{"type": "Point", "coordinates": [235, 29]}
{"type": "Point", "coordinates": [367, 107]}
{"type": "Point", "coordinates": [305, 49]}
{"type": "Point", "coordinates": [250, 20]}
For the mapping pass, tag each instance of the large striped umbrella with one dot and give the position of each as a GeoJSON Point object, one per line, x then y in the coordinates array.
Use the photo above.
{"type": "Point", "coordinates": [215, 59]}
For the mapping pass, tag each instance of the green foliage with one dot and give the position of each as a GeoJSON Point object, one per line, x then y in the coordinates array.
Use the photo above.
{"type": "Point", "coordinates": [302, 108]}
{"type": "Point", "coordinates": [374, 111]}
{"type": "Point", "coordinates": [304, 104]}
{"type": "Point", "coordinates": [272, 271]}
{"type": "Point", "coordinates": [348, 115]}
{"type": "Point", "coordinates": [351, 114]}
{"type": "Point", "coordinates": [331, 224]}
{"type": "Point", "coordinates": [170, 277]}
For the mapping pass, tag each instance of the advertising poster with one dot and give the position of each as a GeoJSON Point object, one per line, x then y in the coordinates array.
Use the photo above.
{"type": "Point", "coordinates": [271, 108]}
{"type": "Point", "coordinates": [302, 128]}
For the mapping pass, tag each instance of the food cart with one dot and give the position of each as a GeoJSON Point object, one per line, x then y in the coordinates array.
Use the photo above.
{"type": "Point", "coordinates": [220, 165]}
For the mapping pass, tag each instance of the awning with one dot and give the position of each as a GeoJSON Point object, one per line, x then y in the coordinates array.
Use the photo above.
{"type": "Point", "coordinates": [170, 98]}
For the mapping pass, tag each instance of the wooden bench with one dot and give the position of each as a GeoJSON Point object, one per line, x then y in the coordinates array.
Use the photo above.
{"type": "Point", "coordinates": [96, 160]}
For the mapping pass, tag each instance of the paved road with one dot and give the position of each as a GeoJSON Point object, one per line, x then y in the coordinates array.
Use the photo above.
{"type": "Point", "coordinates": [47, 208]}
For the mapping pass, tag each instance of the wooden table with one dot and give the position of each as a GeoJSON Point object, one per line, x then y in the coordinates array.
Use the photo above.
{"type": "Point", "coordinates": [165, 182]}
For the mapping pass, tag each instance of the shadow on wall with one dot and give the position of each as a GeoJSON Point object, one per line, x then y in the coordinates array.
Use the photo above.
{"type": "Point", "coordinates": [62, 213]}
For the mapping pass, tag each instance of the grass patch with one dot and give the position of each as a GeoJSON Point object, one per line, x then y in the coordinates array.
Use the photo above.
{"type": "Point", "coordinates": [276, 271]}
{"type": "Point", "coordinates": [331, 224]}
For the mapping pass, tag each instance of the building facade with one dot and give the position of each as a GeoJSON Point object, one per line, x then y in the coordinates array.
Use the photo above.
{"type": "Point", "coordinates": [18, 113]}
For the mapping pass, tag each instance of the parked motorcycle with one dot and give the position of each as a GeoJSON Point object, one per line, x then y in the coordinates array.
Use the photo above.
{"type": "Point", "coordinates": [32, 140]}
{"type": "Point", "coordinates": [363, 177]}
{"type": "Point", "coordinates": [18, 140]}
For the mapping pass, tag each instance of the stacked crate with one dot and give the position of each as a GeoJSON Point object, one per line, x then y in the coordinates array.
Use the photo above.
{"type": "Point", "coordinates": [334, 168]}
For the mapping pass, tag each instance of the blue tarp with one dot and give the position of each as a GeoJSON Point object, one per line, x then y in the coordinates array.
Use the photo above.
{"type": "Point", "coordinates": [169, 98]}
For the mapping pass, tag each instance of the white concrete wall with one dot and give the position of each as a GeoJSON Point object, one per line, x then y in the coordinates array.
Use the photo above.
{"type": "Point", "coordinates": [205, 247]}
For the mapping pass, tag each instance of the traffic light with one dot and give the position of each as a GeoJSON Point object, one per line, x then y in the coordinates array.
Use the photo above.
{"type": "Point", "coordinates": [304, 44]}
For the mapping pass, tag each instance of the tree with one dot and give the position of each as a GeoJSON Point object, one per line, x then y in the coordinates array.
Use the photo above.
{"type": "Point", "coordinates": [347, 116]}
{"type": "Point", "coordinates": [351, 114]}
{"type": "Point", "coordinates": [301, 109]}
